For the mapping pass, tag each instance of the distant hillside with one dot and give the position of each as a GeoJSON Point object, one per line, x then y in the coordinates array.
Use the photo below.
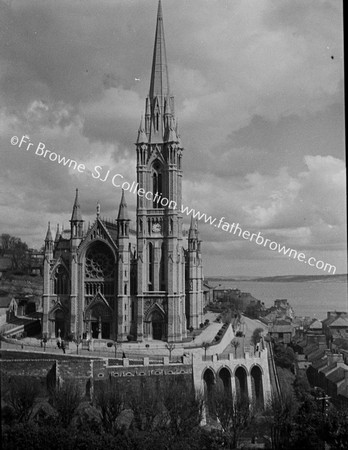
{"type": "Point", "coordinates": [299, 278]}
{"type": "Point", "coordinates": [285, 278]}
{"type": "Point", "coordinates": [16, 285]}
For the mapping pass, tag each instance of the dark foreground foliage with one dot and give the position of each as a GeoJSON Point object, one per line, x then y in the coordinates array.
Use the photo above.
{"type": "Point", "coordinates": [168, 418]}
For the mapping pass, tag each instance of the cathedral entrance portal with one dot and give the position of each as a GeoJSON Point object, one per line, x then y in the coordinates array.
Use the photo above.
{"type": "Point", "coordinates": [157, 326]}
{"type": "Point", "coordinates": [59, 323]}
{"type": "Point", "coordinates": [95, 330]}
{"type": "Point", "coordinates": [100, 329]}
{"type": "Point", "coordinates": [98, 321]}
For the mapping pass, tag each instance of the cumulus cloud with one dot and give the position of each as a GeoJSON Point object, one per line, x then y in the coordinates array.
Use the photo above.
{"type": "Point", "coordinates": [257, 85]}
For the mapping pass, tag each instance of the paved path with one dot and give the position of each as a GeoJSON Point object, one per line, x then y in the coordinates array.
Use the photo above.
{"type": "Point", "coordinates": [207, 334]}
{"type": "Point", "coordinates": [155, 349]}
{"type": "Point", "coordinates": [250, 325]}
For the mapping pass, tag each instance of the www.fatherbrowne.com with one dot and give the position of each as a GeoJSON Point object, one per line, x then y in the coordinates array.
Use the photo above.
{"type": "Point", "coordinates": [232, 228]}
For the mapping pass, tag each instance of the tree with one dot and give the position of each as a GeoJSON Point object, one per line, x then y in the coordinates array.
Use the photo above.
{"type": "Point", "coordinates": [256, 336]}
{"type": "Point", "coordinates": [205, 346]}
{"type": "Point", "coordinates": [145, 404]}
{"type": "Point", "coordinates": [284, 356]}
{"type": "Point", "coordinates": [253, 310]}
{"type": "Point", "coordinates": [21, 398]}
{"type": "Point", "coordinates": [110, 401]}
{"type": "Point", "coordinates": [170, 348]}
{"type": "Point", "coordinates": [183, 406]}
{"type": "Point", "coordinates": [234, 414]}
{"type": "Point", "coordinates": [19, 255]}
{"type": "Point", "coordinates": [235, 344]}
{"type": "Point", "coordinates": [66, 398]}
{"type": "Point", "coordinates": [279, 417]}
{"type": "Point", "coordinates": [335, 429]}
{"type": "Point", "coordinates": [5, 243]}
{"type": "Point", "coordinates": [16, 250]}
{"type": "Point", "coordinates": [308, 421]}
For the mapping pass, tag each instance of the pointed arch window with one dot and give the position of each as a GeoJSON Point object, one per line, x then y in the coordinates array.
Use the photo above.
{"type": "Point", "coordinates": [61, 285]}
{"type": "Point", "coordinates": [150, 260]}
{"type": "Point", "coordinates": [157, 185]}
{"type": "Point", "coordinates": [162, 268]}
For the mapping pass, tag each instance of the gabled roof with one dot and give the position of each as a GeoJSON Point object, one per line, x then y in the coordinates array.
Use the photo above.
{"type": "Point", "coordinates": [100, 230]}
{"type": "Point", "coordinates": [334, 315]}
{"type": "Point", "coordinates": [310, 349]}
{"type": "Point", "coordinates": [280, 329]}
{"type": "Point", "coordinates": [302, 343]}
{"type": "Point", "coordinates": [316, 325]}
{"type": "Point", "coordinates": [5, 301]}
{"type": "Point", "coordinates": [319, 363]}
{"type": "Point", "coordinates": [337, 375]}
{"type": "Point", "coordinates": [339, 322]}
{"type": "Point", "coordinates": [329, 368]}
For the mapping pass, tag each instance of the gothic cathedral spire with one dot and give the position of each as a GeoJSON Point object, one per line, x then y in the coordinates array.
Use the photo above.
{"type": "Point", "coordinates": [159, 104]}
{"type": "Point", "coordinates": [76, 221]}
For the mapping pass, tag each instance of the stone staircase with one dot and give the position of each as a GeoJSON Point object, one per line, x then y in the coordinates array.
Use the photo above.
{"type": "Point", "coordinates": [19, 325]}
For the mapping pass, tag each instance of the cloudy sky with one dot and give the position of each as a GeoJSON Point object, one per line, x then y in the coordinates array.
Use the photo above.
{"type": "Point", "coordinates": [258, 86]}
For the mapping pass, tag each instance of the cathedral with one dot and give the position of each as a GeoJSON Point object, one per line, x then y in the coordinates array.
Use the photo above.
{"type": "Point", "coordinates": [123, 281]}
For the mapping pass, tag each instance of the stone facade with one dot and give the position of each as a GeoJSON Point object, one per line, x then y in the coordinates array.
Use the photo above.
{"type": "Point", "coordinates": [109, 282]}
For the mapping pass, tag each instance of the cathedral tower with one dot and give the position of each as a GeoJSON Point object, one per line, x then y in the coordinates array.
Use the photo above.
{"type": "Point", "coordinates": [160, 302]}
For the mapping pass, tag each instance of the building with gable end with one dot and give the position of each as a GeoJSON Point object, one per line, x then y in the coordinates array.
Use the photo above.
{"type": "Point", "coordinates": [109, 282]}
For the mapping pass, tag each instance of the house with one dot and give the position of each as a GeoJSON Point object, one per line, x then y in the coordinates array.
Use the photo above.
{"type": "Point", "coordinates": [330, 373]}
{"type": "Point", "coordinates": [281, 332]}
{"type": "Point", "coordinates": [208, 292]}
{"type": "Point", "coordinates": [316, 327]}
{"type": "Point", "coordinates": [5, 301]}
{"type": "Point", "coordinates": [339, 328]}
{"type": "Point", "coordinates": [331, 317]}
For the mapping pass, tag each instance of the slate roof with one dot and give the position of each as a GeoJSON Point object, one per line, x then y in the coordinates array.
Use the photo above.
{"type": "Point", "coordinates": [319, 363]}
{"type": "Point", "coordinates": [316, 325]}
{"type": "Point", "coordinates": [317, 354]}
{"type": "Point", "coordinates": [310, 349]}
{"type": "Point", "coordinates": [5, 301]}
{"type": "Point", "coordinates": [337, 375]}
{"type": "Point", "coordinates": [329, 368]}
{"type": "Point", "coordinates": [339, 322]}
{"type": "Point", "coordinates": [328, 321]}
{"type": "Point", "coordinates": [280, 329]}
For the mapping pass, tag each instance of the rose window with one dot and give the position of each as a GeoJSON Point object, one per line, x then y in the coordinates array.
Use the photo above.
{"type": "Point", "coordinates": [99, 264]}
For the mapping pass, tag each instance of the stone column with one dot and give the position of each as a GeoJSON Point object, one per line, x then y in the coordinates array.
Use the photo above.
{"type": "Point", "coordinates": [250, 392]}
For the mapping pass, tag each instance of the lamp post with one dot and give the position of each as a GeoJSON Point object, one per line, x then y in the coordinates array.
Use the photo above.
{"type": "Point", "coordinates": [205, 346]}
